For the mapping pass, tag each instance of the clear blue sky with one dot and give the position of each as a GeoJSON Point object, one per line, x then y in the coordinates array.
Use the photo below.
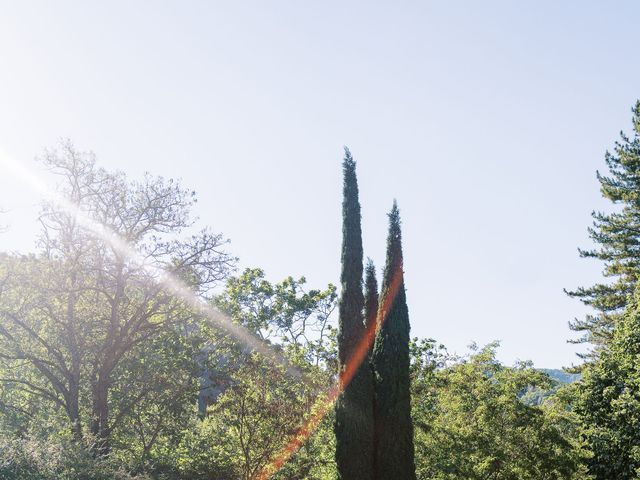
{"type": "Point", "coordinates": [486, 120]}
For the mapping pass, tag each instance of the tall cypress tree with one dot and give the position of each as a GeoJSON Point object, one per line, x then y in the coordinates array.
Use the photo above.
{"type": "Point", "coordinates": [354, 407]}
{"type": "Point", "coordinates": [393, 440]}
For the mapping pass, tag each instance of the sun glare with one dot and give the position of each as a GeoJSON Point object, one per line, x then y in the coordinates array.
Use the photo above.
{"type": "Point", "coordinates": [168, 281]}
{"type": "Point", "coordinates": [326, 401]}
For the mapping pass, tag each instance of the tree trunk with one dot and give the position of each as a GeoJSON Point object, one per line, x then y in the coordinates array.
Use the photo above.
{"type": "Point", "coordinates": [100, 417]}
{"type": "Point", "coordinates": [73, 410]}
{"type": "Point", "coordinates": [73, 400]}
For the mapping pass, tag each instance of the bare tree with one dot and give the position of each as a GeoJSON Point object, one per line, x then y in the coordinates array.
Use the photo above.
{"type": "Point", "coordinates": [73, 315]}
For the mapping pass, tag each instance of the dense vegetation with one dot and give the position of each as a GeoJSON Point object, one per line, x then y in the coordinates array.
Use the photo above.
{"type": "Point", "coordinates": [132, 347]}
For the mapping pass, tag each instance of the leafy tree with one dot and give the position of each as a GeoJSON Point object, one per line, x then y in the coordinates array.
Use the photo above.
{"type": "Point", "coordinates": [162, 379]}
{"type": "Point", "coordinates": [608, 402]}
{"type": "Point", "coordinates": [79, 315]}
{"type": "Point", "coordinates": [260, 407]}
{"type": "Point", "coordinates": [471, 424]}
{"type": "Point", "coordinates": [394, 452]}
{"type": "Point", "coordinates": [617, 239]}
{"type": "Point", "coordinates": [284, 312]}
{"type": "Point", "coordinates": [354, 408]}
{"type": "Point", "coordinates": [262, 411]}
{"type": "Point", "coordinates": [251, 423]}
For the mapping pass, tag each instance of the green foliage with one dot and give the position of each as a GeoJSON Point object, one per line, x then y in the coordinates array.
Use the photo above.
{"type": "Point", "coordinates": [617, 236]}
{"type": "Point", "coordinates": [58, 458]}
{"type": "Point", "coordinates": [157, 411]}
{"type": "Point", "coordinates": [160, 432]}
{"type": "Point", "coordinates": [471, 424]}
{"type": "Point", "coordinates": [251, 423]}
{"type": "Point", "coordinates": [260, 405]}
{"type": "Point", "coordinates": [394, 451]}
{"type": "Point", "coordinates": [608, 402]}
{"type": "Point", "coordinates": [354, 407]}
{"type": "Point", "coordinates": [283, 312]}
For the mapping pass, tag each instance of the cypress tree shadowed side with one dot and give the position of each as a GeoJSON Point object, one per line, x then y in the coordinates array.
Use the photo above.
{"type": "Point", "coordinates": [370, 297]}
{"type": "Point", "coordinates": [393, 441]}
{"type": "Point", "coordinates": [353, 425]}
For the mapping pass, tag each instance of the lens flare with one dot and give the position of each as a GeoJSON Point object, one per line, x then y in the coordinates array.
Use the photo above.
{"type": "Point", "coordinates": [239, 333]}
{"type": "Point", "coordinates": [168, 281]}
{"type": "Point", "coordinates": [326, 401]}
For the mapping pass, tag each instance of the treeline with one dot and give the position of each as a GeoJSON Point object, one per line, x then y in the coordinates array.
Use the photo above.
{"type": "Point", "coordinates": [108, 370]}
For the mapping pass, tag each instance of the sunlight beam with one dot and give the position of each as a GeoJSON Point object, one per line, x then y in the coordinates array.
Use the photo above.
{"type": "Point", "coordinates": [174, 285]}
{"type": "Point", "coordinates": [322, 406]}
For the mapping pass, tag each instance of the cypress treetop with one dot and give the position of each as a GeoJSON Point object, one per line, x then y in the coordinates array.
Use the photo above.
{"type": "Point", "coordinates": [352, 299]}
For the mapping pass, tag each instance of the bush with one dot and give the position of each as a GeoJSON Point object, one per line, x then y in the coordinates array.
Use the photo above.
{"type": "Point", "coordinates": [34, 459]}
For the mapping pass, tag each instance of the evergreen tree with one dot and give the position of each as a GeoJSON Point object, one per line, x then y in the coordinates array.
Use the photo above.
{"type": "Point", "coordinates": [354, 407]}
{"type": "Point", "coordinates": [370, 297]}
{"type": "Point", "coordinates": [617, 236]}
{"type": "Point", "coordinates": [608, 402]}
{"type": "Point", "coordinates": [393, 440]}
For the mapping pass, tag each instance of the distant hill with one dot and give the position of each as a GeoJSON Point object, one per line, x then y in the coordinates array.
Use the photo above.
{"type": "Point", "coordinates": [560, 375]}
{"type": "Point", "coordinates": [536, 396]}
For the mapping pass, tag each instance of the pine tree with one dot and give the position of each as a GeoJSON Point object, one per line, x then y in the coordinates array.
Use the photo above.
{"type": "Point", "coordinates": [608, 401]}
{"type": "Point", "coordinates": [354, 407]}
{"type": "Point", "coordinates": [618, 238]}
{"type": "Point", "coordinates": [393, 440]}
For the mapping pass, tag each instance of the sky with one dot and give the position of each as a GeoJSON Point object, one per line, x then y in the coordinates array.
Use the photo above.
{"type": "Point", "coordinates": [486, 121]}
